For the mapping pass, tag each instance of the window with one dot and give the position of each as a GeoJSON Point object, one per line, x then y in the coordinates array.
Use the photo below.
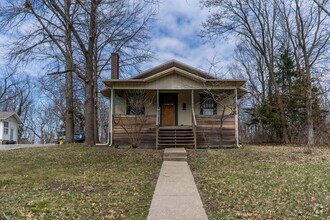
{"type": "Point", "coordinates": [207, 105]}
{"type": "Point", "coordinates": [135, 103]}
{"type": "Point", "coordinates": [6, 127]}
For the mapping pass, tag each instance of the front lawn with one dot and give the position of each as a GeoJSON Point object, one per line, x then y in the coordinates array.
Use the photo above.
{"type": "Point", "coordinates": [76, 182]}
{"type": "Point", "coordinates": [263, 182]}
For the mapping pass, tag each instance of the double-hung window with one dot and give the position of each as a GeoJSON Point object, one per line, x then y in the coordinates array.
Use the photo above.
{"type": "Point", "coordinates": [207, 105]}
{"type": "Point", "coordinates": [5, 127]}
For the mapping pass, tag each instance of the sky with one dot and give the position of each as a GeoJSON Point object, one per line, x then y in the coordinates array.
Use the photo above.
{"type": "Point", "coordinates": [175, 35]}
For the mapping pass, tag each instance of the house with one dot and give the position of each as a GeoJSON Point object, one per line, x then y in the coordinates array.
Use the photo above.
{"type": "Point", "coordinates": [172, 105]}
{"type": "Point", "coordinates": [9, 122]}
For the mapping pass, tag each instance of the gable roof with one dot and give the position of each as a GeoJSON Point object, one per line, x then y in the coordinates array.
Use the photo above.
{"type": "Point", "coordinates": [172, 67]}
{"type": "Point", "coordinates": [6, 115]}
{"type": "Point", "coordinates": [171, 64]}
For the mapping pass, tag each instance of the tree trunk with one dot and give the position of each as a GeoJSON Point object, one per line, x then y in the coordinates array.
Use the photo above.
{"type": "Point", "coordinates": [89, 82]}
{"type": "Point", "coordinates": [89, 104]}
{"type": "Point", "coordinates": [96, 109]}
{"type": "Point", "coordinates": [309, 109]}
{"type": "Point", "coordinates": [69, 121]}
{"type": "Point", "coordinates": [96, 98]}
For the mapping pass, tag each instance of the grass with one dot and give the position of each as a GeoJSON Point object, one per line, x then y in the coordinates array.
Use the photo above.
{"type": "Point", "coordinates": [263, 182]}
{"type": "Point", "coordinates": [76, 182]}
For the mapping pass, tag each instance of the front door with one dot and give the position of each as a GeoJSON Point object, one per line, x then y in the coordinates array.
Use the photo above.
{"type": "Point", "coordinates": [11, 134]}
{"type": "Point", "coordinates": [168, 103]}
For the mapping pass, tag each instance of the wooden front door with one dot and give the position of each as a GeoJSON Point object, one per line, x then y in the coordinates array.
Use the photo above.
{"type": "Point", "coordinates": [168, 110]}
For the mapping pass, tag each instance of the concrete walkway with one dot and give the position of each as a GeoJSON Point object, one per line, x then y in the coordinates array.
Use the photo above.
{"type": "Point", "coordinates": [176, 195]}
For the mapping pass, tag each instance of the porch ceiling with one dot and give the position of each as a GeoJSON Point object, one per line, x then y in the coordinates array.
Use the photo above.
{"type": "Point", "coordinates": [240, 91]}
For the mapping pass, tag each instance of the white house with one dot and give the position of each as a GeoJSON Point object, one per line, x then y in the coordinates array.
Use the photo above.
{"type": "Point", "coordinates": [9, 122]}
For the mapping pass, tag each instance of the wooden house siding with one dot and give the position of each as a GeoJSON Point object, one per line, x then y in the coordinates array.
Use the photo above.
{"type": "Point", "coordinates": [210, 134]}
{"type": "Point", "coordinates": [123, 126]}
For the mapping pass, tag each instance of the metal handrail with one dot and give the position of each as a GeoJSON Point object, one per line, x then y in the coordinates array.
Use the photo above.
{"type": "Point", "coordinates": [194, 126]}
{"type": "Point", "coordinates": [193, 117]}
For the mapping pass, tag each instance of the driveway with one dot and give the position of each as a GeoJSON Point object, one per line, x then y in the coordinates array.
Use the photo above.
{"type": "Point", "coordinates": [18, 146]}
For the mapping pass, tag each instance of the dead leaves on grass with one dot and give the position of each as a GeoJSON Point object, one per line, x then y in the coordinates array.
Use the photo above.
{"type": "Point", "coordinates": [273, 183]}
{"type": "Point", "coordinates": [79, 182]}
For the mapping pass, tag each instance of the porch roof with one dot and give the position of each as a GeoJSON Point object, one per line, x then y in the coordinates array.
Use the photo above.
{"type": "Point", "coordinates": [240, 91]}
{"type": "Point", "coordinates": [174, 75]}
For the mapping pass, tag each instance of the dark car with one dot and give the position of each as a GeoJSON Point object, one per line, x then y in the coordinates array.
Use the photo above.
{"type": "Point", "coordinates": [11, 142]}
{"type": "Point", "coordinates": [79, 137]}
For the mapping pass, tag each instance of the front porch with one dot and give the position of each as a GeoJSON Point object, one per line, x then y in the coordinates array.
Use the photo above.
{"type": "Point", "coordinates": [200, 108]}
{"type": "Point", "coordinates": [169, 119]}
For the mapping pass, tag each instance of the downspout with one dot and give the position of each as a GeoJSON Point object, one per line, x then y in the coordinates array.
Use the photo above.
{"type": "Point", "coordinates": [109, 139]}
{"type": "Point", "coordinates": [112, 110]}
{"type": "Point", "coordinates": [236, 118]}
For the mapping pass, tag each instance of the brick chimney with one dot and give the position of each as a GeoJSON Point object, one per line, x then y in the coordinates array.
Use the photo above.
{"type": "Point", "coordinates": [114, 66]}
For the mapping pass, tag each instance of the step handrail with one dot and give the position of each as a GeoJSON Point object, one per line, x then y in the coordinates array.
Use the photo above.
{"type": "Point", "coordinates": [194, 125]}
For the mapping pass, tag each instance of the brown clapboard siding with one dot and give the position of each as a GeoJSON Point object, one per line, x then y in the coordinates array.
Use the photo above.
{"type": "Point", "coordinates": [210, 134]}
{"type": "Point", "coordinates": [124, 126]}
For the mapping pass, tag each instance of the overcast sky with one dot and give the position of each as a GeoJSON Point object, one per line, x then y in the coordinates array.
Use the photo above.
{"type": "Point", "coordinates": [174, 36]}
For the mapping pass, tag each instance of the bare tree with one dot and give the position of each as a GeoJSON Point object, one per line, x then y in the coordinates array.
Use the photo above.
{"type": "Point", "coordinates": [7, 84]}
{"type": "Point", "coordinates": [323, 5]}
{"type": "Point", "coordinates": [263, 28]}
{"type": "Point", "coordinates": [225, 102]}
{"type": "Point", "coordinates": [137, 104]}
{"type": "Point", "coordinates": [81, 34]}
{"type": "Point", "coordinates": [256, 23]}
{"type": "Point", "coordinates": [308, 30]}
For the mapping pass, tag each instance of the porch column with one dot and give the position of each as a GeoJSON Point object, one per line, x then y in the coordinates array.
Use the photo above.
{"type": "Point", "coordinates": [112, 110]}
{"type": "Point", "coordinates": [157, 118]}
{"type": "Point", "coordinates": [192, 100]}
{"type": "Point", "coordinates": [157, 103]}
{"type": "Point", "coordinates": [236, 117]}
{"type": "Point", "coordinates": [193, 117]}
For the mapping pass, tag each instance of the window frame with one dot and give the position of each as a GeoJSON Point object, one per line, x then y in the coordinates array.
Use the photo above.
{"type": "Point", "coordinates": [129, 110]}
{"type": "Point", "coordinates": [6, 128]}
{"type": "Point", "coordinates": [205, 100]}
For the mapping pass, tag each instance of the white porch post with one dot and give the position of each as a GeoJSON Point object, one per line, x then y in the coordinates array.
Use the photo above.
{"type": "Point", "coordinates": [157, 119]}
{"type": "Point", "coordinates": [236, 117]}
{"type": "Point", "coordinates": [157, 100]}
{"type": "Point", "coordinates": [192, 102]}
{"type": "Point", "coordinates": [193, 122]}
{"type": "Point", "coordinates": [112, 110]}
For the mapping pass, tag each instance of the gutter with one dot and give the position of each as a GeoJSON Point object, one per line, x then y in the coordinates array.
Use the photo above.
{"type": "Point", "coordinates": [109, 132]}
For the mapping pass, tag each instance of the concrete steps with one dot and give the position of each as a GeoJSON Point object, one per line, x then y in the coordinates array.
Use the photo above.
{"type": "Point", "coordinates": [175, 154]}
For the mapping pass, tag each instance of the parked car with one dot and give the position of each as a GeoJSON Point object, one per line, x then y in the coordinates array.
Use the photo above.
{"type": "Point", "coordinates": [79, 137]}
{"type": "Point", "coordinates": [11, 142]}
